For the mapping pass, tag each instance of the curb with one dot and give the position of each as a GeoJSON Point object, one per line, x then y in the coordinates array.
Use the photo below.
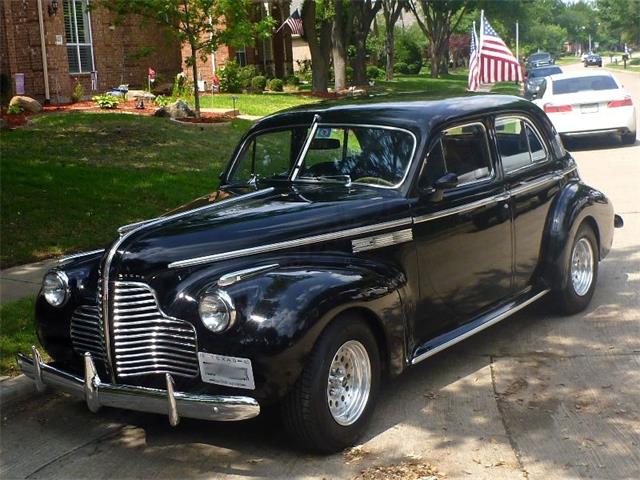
{"type": "Point", "coordinates": [15, 390]}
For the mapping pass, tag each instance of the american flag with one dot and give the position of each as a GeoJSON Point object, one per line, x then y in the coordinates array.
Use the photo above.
{"type": "Point", "coordinates": [497, 63]}
{"type": "Point", "coordinates": [474, 64]}
{"type": "Point", "coordinates": [294, 22]}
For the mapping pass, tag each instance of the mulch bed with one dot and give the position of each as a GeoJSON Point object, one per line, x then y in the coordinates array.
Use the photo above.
{"type": "Point", "coordinates": [128, 106]}
{"type": "Point", "coordinates": [207, 117]}
{"type": "Point", "coordinates": [14, 121]}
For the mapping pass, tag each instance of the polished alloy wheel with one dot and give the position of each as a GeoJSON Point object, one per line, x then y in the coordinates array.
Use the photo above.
{"type": "Point", "coordinates": [582, 267]}
{"type": "Point", "coordinates": [349, 382]}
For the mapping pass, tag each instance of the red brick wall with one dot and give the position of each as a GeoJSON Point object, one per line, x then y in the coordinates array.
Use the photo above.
{"type": "Point", "coordinates": [114, 49]}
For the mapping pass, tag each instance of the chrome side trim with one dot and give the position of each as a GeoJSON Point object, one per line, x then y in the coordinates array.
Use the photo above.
{"type": "Point", "coordinates": [381, 241]}
{"type": "Point", "coordinates": [79, 254]}
{"type": "Point", "coordinates": [234, 277]}
{"type": "Point", "coordinates": [462, 208]}
{"type": "Point", "coordinates": [141, 399]}
{"type": "Point", "coordinates": [479, 328]}
{"type": "Point", "coordinates": [519, 190]}
{"type": "Point", "coordinates": [325, 237]}
{"type": "Point", "coordinates": [114, 248]}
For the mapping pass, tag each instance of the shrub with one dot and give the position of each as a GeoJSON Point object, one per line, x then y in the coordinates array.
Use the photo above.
{"type": "Point", "coordinates": [634, 61]}
{"type": "Point", "coordinates": [106, 101]}
{"type": "Point", "coordinates": [276, 85]}
{"type": "Point", "coordinates": [162, 101]}
{"type": "Point", "coordinates": [182, 87]}
{"type": "Point", "coordinates": [349, 75]}
{"type": "Point", "coordinates": [292, 80]}
{"type": "Point", "coordinates": [246, 74]}
{"type": "Point", "coordinates": [78, 92]}
{"type": "Point", "coordinates": [373, 72]}
{"type": "Point", "coordinates": [401, 67]}
{"type": "Point", "coordinates": [230, 81]}
{"type": "Point", "coordinates": [14, 110]}
{"type": "Point", "coordinates": [259, 83]}
{"type": "Point", "coordinates": [413, 68]}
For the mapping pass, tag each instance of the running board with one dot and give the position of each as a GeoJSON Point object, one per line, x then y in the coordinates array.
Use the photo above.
{"type": "Point", "coordinates": [448, 339]}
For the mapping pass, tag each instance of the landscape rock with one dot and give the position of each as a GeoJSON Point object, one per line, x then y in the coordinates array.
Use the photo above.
{"type": "Point", "coordinates": [179, 109]}
{"type": "Point", "coordinates": [27, 104]}
{"type": "Point", "coordinates": [136, 94]}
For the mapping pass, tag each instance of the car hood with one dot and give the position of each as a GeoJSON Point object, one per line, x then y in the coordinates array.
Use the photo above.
{"type": "Point", "coordinates": [235, 220]}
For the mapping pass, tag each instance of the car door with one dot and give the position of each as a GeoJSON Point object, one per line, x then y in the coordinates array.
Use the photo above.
{"type": "Point", "coordinates": [463, 240]}
{"type": "Point", "coordinates": [532, 183]}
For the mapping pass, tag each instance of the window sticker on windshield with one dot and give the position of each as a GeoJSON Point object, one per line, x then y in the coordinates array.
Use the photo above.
{"type": "Point", "coordinates": [323, 132]}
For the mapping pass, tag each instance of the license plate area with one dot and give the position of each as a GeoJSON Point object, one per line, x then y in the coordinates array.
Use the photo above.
{"type": "Point", "coordinates": [234, 372]}
{"type": "Point", "coordinates": [589, 108]}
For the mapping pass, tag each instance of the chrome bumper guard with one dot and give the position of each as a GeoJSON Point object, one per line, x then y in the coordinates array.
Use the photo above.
{"type": "Point", "coordinates": [141, 399]}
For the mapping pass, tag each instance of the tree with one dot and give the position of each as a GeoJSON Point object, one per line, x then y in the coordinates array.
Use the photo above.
{"type": "Point", "coordinates": [317, 23]}
{"type": "Point", "coordinates": [621, 18]}
{"type": "Point", "coordinates": [391, 10]}
{"type": "Point", "coordinates": [440, 19]}
{"type": "Point", "coordinates": [341, 29]}
{"type": "Point", "coordinates": [203, 24]}
{"type": "Point", "coordinates": [364, 11]}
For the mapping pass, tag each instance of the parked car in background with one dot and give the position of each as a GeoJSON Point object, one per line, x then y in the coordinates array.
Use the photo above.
{"type": "Point", "coordinates": [593, 59]}
{"type": "Point", "coordinates": [347, 243]}
{"type": "Point", "coordinates": [586, 103]}
{"type": "Point", "coordinates": [540, 59]}
{"type": "Point", "coordinates": [535, 79]}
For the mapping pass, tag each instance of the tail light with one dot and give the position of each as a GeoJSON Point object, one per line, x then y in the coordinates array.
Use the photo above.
{"type": "Point", "coordinates": [620, 103]}
{"type": "Point", "coordinates": [549, 108]}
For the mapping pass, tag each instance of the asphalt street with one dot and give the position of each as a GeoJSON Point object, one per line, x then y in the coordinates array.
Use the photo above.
{"type": "Point", "coordinates": [539, 396]}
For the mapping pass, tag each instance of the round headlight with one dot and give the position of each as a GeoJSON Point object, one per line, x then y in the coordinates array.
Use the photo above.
{"type": "Point", "coordinates": [55, 288]}
{"type": "Point", "coordinates": [217, 311]}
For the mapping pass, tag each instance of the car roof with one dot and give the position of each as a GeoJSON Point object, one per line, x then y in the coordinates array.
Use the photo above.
{"type": "Point", "coordinates": [563, 76]}
{"type": "Point", "coordinates": [415, 112]}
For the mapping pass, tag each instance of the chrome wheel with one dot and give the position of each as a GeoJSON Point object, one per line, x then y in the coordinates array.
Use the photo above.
{"type": "Point", "coordinates": [582, 267]}
{"type": "Point", "coordinates": [349, 382]}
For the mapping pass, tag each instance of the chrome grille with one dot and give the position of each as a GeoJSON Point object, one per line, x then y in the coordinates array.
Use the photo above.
{"type": "Point", "coordinates": [87, 334]}
{"type": "Point", "coordinates": [145, 340]}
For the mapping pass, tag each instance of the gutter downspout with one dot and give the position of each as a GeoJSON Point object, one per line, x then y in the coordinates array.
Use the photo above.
{"type": "Point", "coordinates": [43, 50]}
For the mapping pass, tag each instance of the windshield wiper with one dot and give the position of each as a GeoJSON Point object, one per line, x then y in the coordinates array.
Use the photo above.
{"type": "Point", "coordinates": [346, 179]}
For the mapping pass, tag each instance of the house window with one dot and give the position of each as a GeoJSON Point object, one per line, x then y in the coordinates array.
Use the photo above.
{"type": "Point", "coordinates": [77, 28]}
{"type": "Point", "coordinates": [241, 56]}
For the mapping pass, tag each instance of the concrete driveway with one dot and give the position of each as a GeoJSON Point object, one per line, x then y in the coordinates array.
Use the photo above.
{"type": "Point", "coordinates": [538, 396]}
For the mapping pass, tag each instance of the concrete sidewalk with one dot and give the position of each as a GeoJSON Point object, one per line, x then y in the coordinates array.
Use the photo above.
{"type": "Point", "coordinates": [24, 280]}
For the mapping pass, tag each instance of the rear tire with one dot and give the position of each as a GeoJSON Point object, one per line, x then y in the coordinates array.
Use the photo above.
{"type": "Point", "coordinates": [628, 138]}
{"type": "Point", "coordinates": [344, 370]}
{"type": "Point", "coordinates": [580, 272]}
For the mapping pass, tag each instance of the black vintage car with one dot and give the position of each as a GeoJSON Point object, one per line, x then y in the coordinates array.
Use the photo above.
{"type": "Point", "coordinates": [345, 244]}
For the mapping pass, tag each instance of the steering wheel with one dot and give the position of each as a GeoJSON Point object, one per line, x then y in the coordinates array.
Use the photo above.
{"type": "Point", "coordinates": [374, 180]}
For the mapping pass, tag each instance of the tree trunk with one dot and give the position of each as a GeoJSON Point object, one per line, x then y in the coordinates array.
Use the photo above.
{"type": "Point", "coordinates": [360, 61]}
{"type": "Point", "coordinates": [196, 92]}
{"type": "Point", "coordinates": [339, 48]}
{"type": "Point", "coordinates": [435, 60]}
{"type": "Point", "coordinates": [390, 52]}
{"type": "Point", "coordinates": [319, 47]}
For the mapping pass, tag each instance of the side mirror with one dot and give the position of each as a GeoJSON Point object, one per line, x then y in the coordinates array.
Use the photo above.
{"type": "Point", "coordinates": [445, 182]}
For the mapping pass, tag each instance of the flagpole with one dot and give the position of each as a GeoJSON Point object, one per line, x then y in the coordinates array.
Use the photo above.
{"type": "Point", "coordinates": [517, 42]}
{"type": "Point", "coordinates": [480, 38]}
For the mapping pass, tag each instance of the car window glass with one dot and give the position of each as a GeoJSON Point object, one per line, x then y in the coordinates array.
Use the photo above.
{"type": "Point", "coordinates": [535, 145]}
{"type": "Point", "coordinates": [465, 152]}
{"type": "Point", "coordinates": [512, 144]}
{"type": "Point", "coordinates": [583, 84]}
{"type": "Point", "coordinates": [434, 168]}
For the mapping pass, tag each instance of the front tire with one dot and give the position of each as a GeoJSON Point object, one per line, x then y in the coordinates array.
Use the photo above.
{"type": "Point", "coordinates": [331, 403]}
{"type": "Point", "coordinates": [580, 272]}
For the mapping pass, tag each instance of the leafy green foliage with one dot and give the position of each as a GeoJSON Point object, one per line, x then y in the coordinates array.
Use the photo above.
{"type": "Point", "coordinates": [401, 67]}
{"type": "Point", "coordinates": [162, 101]}
{"type": "Point", "coordinates": [18, 333]}
{"type": "Point", "coordinates": [374, 72]}
{"type": "Point", "coordinates": [276, 85]}
{"type": "Point", "coordinates": [14, 110]}
{"type": "Point", "coordinates": [106, 101]}
{"type": "Point", "coordinates": [230, 80]}
{"type": "Point", "coordinates": [258, 83]}
{"type": "Point", "coordinates": [77, 93]}
{"type": "Point", "coordinates": [246, 73]}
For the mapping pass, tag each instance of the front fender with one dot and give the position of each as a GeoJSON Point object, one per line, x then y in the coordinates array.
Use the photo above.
{"type": "Point", "coordinates": [282, 312]}
{"type": "Point", "coordinates": [575, 204]}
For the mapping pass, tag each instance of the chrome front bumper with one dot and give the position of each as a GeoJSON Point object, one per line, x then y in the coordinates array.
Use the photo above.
{"type": "Point", "coordinates": [141, 399]}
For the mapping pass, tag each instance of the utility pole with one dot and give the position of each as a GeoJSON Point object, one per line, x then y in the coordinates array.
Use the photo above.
{"type": "Point", "coordinates": [589, 42]}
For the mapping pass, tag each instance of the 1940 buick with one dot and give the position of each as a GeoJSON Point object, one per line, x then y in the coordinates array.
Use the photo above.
{"type": "Point", "coordinates": [347, 242]}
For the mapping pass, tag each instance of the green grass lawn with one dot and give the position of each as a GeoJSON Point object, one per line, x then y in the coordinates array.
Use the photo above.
{"type": "Point", "coordinates": [447, 85]}
{"type": "Point", "coordinates": [17, 333]}
{"type": "Point", "coordinates": [568, 60]}
{"type": "Point", "coordinates": [256, 104]}
{"type": "Point", "coordinates": [71, 179]}
{"type": "Point", "coordinates": [620, 66]}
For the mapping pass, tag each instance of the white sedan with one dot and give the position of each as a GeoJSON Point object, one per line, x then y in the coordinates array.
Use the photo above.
{"type": "Point", "coordinates": [584, 104]}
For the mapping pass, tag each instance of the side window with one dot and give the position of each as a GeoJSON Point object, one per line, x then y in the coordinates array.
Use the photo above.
{"type": "Point", "coordinates": [434, 168]}
{"type": "Point", "coordinates": [466, 153]}
{"type": "Point", "coordinates": [518, 144]}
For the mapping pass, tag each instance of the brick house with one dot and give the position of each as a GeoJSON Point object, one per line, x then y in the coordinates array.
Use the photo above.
{"type": "Point", "coordinates": [272, 57]}
{"type": "Point", "coordinates": [48, 45]}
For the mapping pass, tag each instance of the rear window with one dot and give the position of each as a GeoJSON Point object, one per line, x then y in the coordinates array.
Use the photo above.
{"type": "Point", "coordinates": [539, 56]}
{"type": "Point", "coordinates": [583, 84]}
{"type": "Point", "coordinates": [544, 72]}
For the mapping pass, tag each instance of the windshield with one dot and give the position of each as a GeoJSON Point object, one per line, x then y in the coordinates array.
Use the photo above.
{"type": "Point", "coordinates": [360, 154]}
{"type": "Point", "coordinates": [582, 84]}
{"type": "Point", "coordinates": [544, 72]}
{"type": "Point", "coordinates": [539, 56]}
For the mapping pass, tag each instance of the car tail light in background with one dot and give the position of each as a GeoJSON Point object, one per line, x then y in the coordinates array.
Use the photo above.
{"type": "Point", "coordinates": [549, 108]}
{"type": "Point", "coordinates": [620, 103]}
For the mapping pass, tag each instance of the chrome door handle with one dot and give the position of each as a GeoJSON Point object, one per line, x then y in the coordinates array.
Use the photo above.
{"type": "Point", "coordinates": [502, 198]}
